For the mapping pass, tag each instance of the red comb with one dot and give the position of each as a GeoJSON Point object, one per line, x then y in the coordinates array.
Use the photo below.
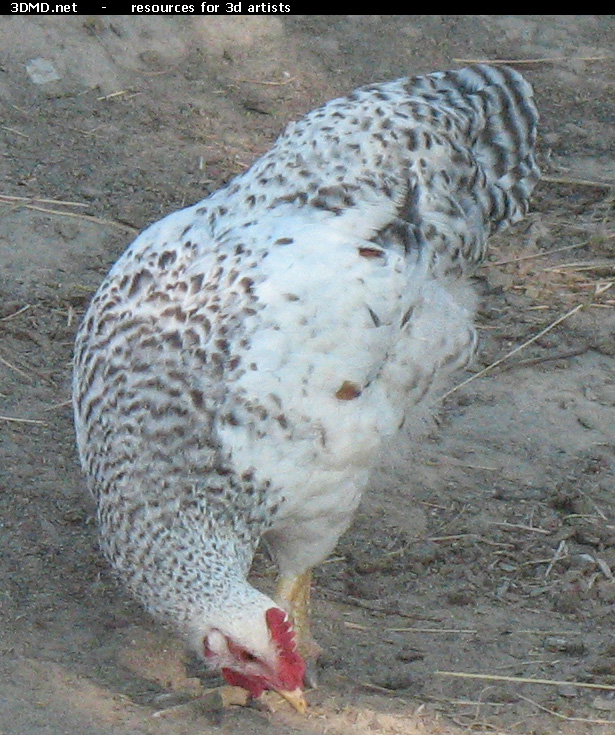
{"type": "Point", "coordinates": [281, 628]}
{"type": "Point", "coordinates": [292, 666]}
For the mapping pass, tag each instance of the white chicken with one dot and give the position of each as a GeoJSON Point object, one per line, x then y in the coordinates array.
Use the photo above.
{"type": "Point", "coordinates": [241, 364]}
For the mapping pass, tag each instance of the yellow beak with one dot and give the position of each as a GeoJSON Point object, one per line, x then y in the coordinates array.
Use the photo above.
{"type": "Point", "coordinates": [295, 699]}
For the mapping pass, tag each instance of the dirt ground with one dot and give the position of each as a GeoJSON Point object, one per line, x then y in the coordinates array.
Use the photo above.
{"type": "Point", "coordinates": [485, 547]}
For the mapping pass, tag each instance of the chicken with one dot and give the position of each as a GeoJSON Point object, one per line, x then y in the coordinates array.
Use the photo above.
{"type": "Point", "coordinates": [239, 368]}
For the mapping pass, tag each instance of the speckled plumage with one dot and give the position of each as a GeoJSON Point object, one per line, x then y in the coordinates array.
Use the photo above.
{"type": "Point", "coordinates": [242, 362]}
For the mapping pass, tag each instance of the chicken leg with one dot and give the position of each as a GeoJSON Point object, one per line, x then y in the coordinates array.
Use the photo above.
{"type": "Point", "coordinates": [293, 594]}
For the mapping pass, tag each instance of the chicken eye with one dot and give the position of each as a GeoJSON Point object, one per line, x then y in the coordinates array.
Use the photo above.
{"type": "Point", "coordinates": [240, 653]}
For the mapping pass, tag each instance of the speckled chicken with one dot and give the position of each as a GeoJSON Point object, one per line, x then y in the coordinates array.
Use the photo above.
{"type": "Point", "coordinates": [241, 364]}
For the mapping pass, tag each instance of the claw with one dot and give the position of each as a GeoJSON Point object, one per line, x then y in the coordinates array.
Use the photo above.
{"type": "Point", "coordinates": [311, 673]}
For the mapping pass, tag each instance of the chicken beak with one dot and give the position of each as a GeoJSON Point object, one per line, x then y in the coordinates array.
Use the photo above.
{"type": "Point", "coordinates": [295, 699]}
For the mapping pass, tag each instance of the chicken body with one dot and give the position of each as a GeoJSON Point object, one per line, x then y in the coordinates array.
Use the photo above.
{"type": "Point", "coordinates": [240, 366]}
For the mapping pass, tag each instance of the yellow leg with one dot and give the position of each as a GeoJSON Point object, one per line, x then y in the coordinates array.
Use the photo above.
{"type": "Point", "coordinates": [293, 594]}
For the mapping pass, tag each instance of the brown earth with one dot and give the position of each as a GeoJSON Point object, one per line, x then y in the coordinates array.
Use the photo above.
{"type": "Point", "coordinates": [487, 546]}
